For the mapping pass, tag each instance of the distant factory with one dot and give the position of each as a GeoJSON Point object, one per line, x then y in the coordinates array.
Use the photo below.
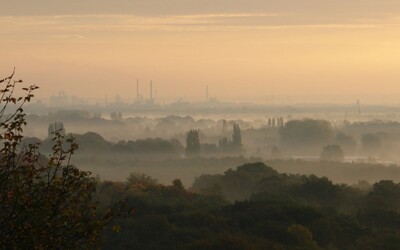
{"type": "Point", "coordinates": [152, 94]}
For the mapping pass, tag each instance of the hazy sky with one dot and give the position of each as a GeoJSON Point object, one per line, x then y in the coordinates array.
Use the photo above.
{"type": "Point", "coordinates": [240, 48]}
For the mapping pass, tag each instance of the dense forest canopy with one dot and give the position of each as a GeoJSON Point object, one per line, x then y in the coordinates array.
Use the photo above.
{"type": "Point", "coordinates": [266, 210]}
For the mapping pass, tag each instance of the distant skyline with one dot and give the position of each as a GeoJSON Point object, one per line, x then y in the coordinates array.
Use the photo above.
{"type": "Point", "coordinates": [240, 49]}
{"type": "Point", "coordinates": [131, 98]}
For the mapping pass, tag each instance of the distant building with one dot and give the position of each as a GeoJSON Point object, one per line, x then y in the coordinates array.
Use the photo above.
{"type": "Point", "coordinates": [55, 127]}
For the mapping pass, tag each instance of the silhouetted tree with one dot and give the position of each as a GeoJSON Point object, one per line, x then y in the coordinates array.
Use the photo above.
{"type": "Point", "coordinates": [224, 125]}
{"type": "Point", "coordinates": [193, 142]}
{"type": "Point", "coordinates": [281, 123]}
{"type": "Point", "coordinates": [306, 135]}
{"type": "Point", "coordinates": [371, 144]}
{"type": "Point", "coordinates": [224, 144]}
{"type": "Point", "coordinates": [53, 127]}
{"type": "Point", "coordinates": [44, 204]}
{"type": "Point", "coordinates": [269, 124]}
{"type": "Point", "coordinates": [332, 153]}
{"type": "Point", "coordinates": [346, 142]}
{"type": "Point", "coordinates": [177, 183]}
{"type": "Point", "coordinates": [236, 138]}
{"type": "Point", "coordinates": [140, 179]}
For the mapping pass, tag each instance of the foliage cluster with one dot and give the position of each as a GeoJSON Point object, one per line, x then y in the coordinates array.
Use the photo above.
{"type": "Point", "coordinates": [193, 142]}
{"type": "Point", "coordinates": [339, 172]}
{"type": "Point", "coordinates": [91, 142]}
{"type": "Point", "coordinates": [45, 203]}
{"type": "Point", "coordinates": [281, 212]}
{"type": "Point", "coordinates": [332, 152]}
{"type": "Point", "coordinates": [306, 134]}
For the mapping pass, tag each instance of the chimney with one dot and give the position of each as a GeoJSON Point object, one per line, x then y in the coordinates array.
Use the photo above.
{"type": "Point", "coordinates": [151, 90]}
{"type": "Point", "coordinates": [206, 93]}
{"type": "Point", "coordinates": [137, 91]}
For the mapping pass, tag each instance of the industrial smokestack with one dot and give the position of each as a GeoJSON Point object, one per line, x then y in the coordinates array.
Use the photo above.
{"type": "Point", "coordinates": [206, 93]}
{"type": "Point", "coordinates": [151, 90]}
{"type": "Point", "coordinates": [137, 91]}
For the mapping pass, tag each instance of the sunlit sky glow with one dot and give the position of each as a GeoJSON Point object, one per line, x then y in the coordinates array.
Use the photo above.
{"type": "Point", "coordinates": [338, 50]}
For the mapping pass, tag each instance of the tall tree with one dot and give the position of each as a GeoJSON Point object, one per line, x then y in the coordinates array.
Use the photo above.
{"type": "Point", "coordinates": [193, 142]}
{"type": "Point", "coordinates": [236, 138]}
{"type": "Point", "coordinates": [55, 126]}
